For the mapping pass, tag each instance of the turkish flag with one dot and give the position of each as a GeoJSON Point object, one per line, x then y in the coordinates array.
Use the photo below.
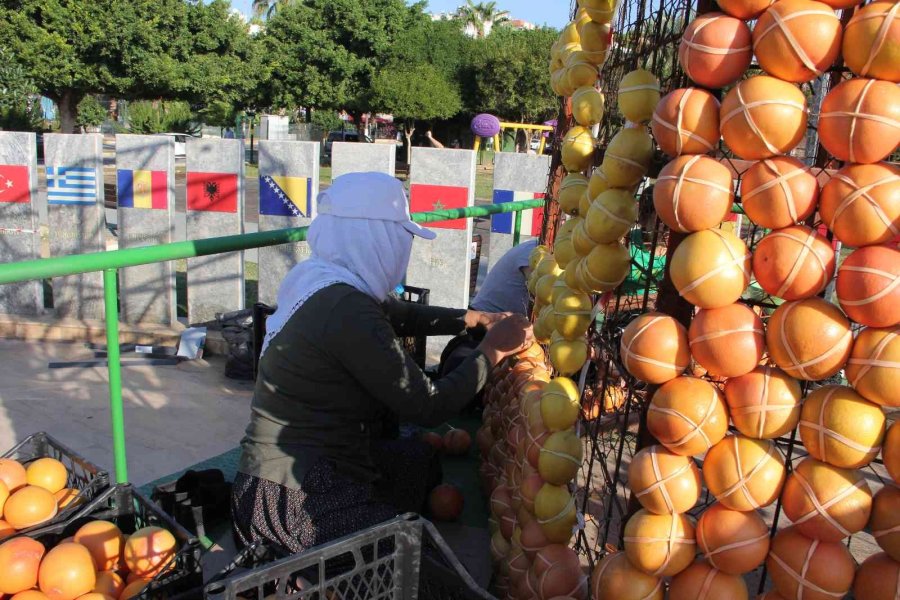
{"type": "Point", "coordinates": [14, 184]}
{"type": "Point", "coordinates": [212, 192]}
{"type": "Point", "coordinates": [430, 198]}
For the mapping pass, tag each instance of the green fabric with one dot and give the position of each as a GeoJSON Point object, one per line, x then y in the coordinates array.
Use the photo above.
{"type": "Point", "coordinates": [462, 472]}
{"type": "Point", "coordinates": [336, 377]}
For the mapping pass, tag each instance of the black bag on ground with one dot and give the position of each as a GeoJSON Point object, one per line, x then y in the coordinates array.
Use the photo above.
{"type": "Point", "coordinates": [237, 329]}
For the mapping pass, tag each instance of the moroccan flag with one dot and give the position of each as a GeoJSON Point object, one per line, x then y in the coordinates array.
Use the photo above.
{"type": "Point", "coordinates": [212, 192]}
{"type": "Point", "coordinates": [429, 198]}
{"type": "Point", "coordinates": [532, 220]}
{"type": "Point", "coordinates": [281, 196]}
{"type": "Point", "coordinates": [14, 184]}
{"type": "Point", "coordinates": [142, 189]}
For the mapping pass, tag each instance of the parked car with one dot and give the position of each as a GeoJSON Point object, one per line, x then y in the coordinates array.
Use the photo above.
{"type": "Point", "coordinates": [180, 139]}
{"type": "Point", "coordinates": [344, 136]}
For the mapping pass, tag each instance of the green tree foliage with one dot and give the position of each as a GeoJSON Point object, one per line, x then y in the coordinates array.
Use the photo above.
{"type": "Point", "coordinates": [219, 60]}
{"type": "Point", "coordinates": [146, 117]}
{"type": "Point", "coordinates": [510, 75]}
{"type": "Point", "coordinates": [324, 53]}
{"type": "Point", "coordinates": [219, 113]}
{"type": "Point", "coordinates": [90, 113]}
{"type": "Point", "coordinates": [415, 92]}
{"type": "Point", "coordinates": [326, 120]}
{"type": "Point", "coordinates": [131, 49]}
{"type": "Point", "coordinates": [439, 43]}
{"type": "Point", "coordinates": [19, 108]}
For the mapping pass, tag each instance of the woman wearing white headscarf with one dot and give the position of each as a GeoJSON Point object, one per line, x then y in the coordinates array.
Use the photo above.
{"type": "Point", "coordinates": [315, 465]}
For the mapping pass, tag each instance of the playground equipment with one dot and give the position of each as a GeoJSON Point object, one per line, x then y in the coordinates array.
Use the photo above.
{"type": "Point", "coordinates": [488, 126]}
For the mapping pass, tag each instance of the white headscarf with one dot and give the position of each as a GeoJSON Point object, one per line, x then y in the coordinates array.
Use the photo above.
{"type": "Point", "coordinates": [371, 255]}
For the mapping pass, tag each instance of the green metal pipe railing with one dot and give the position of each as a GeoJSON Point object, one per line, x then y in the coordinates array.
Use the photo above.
{"type": "Point", "coordinates": [110, 262]}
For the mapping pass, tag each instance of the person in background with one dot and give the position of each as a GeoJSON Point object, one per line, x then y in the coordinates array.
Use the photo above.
{"type": "Point", "coordinates": [431, 140]}
{"type": "Point", "coordinates": [315, 462]}
{"type": "Point", "coordinates": [505, 290]}
{"type": "Point", "coordinates": [436, 144]}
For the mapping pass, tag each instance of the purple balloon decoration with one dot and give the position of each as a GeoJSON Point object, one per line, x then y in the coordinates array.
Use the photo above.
{"type": "Point", "coordinates": [485, 125]}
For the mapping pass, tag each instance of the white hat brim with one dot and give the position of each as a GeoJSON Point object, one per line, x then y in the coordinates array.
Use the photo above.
{"type": "Point", "coordinates": [419, 231]}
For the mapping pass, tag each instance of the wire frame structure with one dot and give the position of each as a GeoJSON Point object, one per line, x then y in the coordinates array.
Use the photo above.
{"type": "Point", "coordinates": [646, 34]}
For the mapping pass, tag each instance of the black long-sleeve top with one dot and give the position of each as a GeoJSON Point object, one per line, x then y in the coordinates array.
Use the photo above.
{"type": "Point", "coordinates": [332, 375]}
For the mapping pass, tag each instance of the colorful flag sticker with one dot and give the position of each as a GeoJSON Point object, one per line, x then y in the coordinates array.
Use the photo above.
{"type": "Point", "coordinates": [142, 189]}
{"type": "Point", "coordinates": [430, 198]}
{"type": "Point", "coordinates": [14, 184]}
{"type": "Point", "coordinates": [282, 196]}
{"type": "Point", "coordinates": [532, 220]}
{"type": "Point", "coordinates": [212, 192]}
{"type": "Point", "coordinates": [73, 186]}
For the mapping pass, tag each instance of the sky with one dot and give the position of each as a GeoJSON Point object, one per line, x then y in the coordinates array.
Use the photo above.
{"type": "Point", "coordinates": [540, 12]}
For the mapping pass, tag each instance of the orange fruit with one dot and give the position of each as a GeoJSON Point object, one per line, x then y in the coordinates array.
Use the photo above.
{"type": "Point", "coordinates": [47, 473]}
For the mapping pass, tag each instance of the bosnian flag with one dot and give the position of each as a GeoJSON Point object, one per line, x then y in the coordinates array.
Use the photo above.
{"type": "Point", "coordinates": [532, 220]}
{"type": "Point", "coordinates": [283, 196]}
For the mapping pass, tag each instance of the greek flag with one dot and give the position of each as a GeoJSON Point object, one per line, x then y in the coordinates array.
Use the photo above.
{"type": "Point", "coordinates": [71, 185]}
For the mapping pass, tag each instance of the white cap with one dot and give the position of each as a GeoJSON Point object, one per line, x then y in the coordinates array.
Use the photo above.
{"type": "Point", "coordinates": [375, 196]}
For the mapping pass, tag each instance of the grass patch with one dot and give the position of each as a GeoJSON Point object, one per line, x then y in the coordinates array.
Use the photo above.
{"type": "Point", "coordinates": [484, 185]}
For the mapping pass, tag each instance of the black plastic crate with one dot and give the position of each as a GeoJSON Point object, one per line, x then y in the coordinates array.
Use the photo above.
{"type": "Point", "coordinates": [84, 476]}
{"type": "Point", "coordinates": [402, 558]}
{"type": "Point", "coordinates": [130, 511]}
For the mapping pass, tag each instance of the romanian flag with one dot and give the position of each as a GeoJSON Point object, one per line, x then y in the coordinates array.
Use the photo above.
{"type": "Point", "coordinates": [142, 189]}
{"type": "Point", "coordinates": [532, 220]}
{"type": "Point", "coordinates": [281, 196]}
{"type": "Point", "coordinates": [430, 198]}
{"type": "Point", "coordinates": [212, 192]}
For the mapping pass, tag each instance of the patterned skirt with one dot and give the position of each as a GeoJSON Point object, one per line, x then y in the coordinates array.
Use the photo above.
{"type": "Point", "coordinates": [330, 505]}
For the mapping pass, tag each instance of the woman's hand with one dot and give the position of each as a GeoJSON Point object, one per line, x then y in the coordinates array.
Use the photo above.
{"type": "Point", "coordinates": [476, 319]}
{"type": "Point", "coordinates": [508, 336]}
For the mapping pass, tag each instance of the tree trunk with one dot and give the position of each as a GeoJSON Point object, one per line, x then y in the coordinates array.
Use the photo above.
{"type": "Point", "coordinates": [68, 110]}
{"type": "Point", "coordinates": [409, 129]}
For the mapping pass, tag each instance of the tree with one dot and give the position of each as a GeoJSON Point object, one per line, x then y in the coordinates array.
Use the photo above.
{"type": "Point", "coordinates": [324, 53]}
{"type": "Point", "coordinates": [219, 113]}
{"type": "Point", "coordinates": [90, 113]}
{"type": "Point", "coordinates": [130, 48]}
{"type": "Point", "coordinates": [266, 8]}
{"type": "Point", "coordinates": [19, 107]}
{"type": "Point", "coordinates": [162, 116]}
{"type": "Point", "coordinates": [413, 93]}
{"type": "Point", "coordinates": [219, 61]}
{"type": "Point", "coordinates": [482, 17]}
{"type": "Point", "coordinates": [441, 43]}
{"type": "Point", "coordinates": [326, 120]}
{"type": "Point", "coordinates": [511, 78]}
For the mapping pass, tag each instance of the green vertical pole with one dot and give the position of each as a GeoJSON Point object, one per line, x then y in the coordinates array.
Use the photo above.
{"type": "Point", "coordinates": [116, 413]}
{"type": "Point", "coordinates": [517, 230]}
